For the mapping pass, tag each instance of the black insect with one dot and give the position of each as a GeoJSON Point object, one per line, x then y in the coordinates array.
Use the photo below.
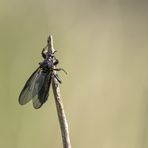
{"type": "Point", "coordinates": [37, 86]}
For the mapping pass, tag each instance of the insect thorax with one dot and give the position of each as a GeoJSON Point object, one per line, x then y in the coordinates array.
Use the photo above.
{"type": "Point", "coordinates": [46, 65]}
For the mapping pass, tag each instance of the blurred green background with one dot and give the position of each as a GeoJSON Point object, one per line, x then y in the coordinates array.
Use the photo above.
{"type": "Point", "coordinates": [103, 45]}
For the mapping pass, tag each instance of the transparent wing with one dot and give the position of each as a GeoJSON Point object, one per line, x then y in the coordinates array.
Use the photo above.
{"type": "Point", "coordinates": [32, 87]}
{"type": "Point", "coordinates": [42, 95]}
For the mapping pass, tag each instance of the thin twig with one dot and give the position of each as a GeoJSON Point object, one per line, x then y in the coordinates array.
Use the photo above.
{"type": "Point", "coordinates": [61, 114]}
{"type": "Point", "coordinates": [59, 104]}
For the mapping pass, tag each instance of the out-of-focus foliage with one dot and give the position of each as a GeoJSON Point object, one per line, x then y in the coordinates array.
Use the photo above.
{"type": "Point", "coordinates": [103, 46]}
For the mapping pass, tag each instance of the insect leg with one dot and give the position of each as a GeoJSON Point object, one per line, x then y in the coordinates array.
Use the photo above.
{"type": "Point", "coordinates": [60, 69]}
{"type": "Point", "coordinates": [58, 78]}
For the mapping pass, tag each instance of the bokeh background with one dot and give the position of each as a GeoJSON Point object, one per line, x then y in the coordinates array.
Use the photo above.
{"type": "Point", "coordinates": [103, 44]}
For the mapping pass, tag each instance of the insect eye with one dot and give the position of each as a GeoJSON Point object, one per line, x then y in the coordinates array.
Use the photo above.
{"type": "Point", "coordinates": [56, 62]}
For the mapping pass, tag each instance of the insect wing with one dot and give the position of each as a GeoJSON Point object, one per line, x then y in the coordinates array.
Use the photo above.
{"type": "Point", "coordinates": [42, 95]}
{"type": "Point", "coordinates": [31, 88]}
{"type": "Point", "coordinates": [38, 83]}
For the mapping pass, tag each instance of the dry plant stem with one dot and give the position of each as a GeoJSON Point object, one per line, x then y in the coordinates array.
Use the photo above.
{"type": "Point", "coordinates": [58, 101]}
{"type": "Point", "coordinates": [61, 114]}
